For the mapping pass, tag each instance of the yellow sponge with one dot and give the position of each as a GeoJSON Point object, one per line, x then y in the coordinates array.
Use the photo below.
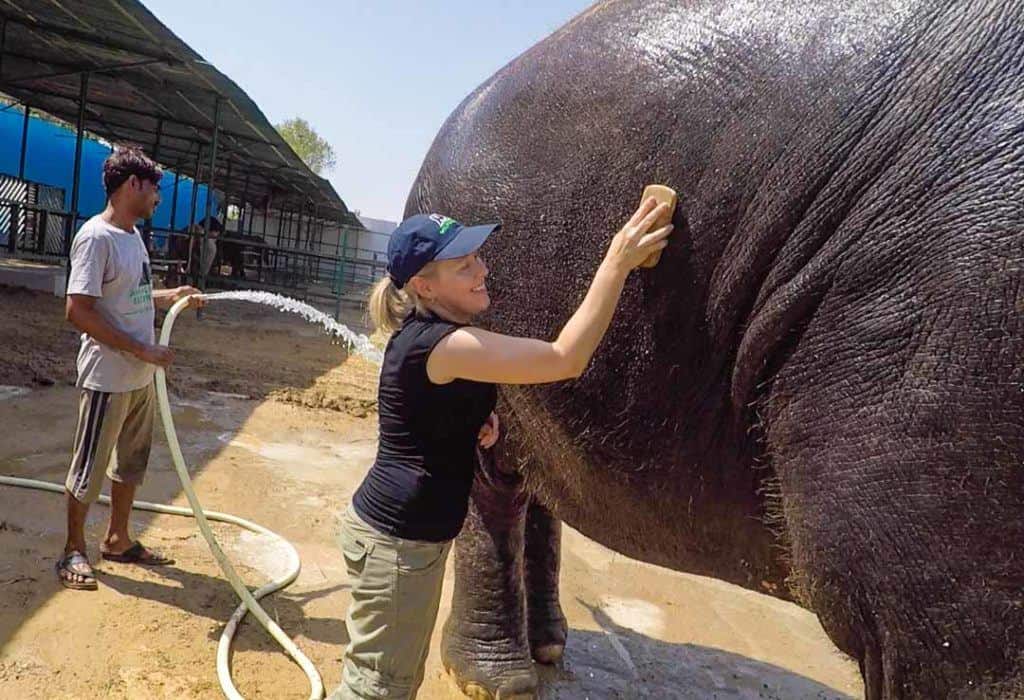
{"type": "Point", "coordinates": [662, 194]}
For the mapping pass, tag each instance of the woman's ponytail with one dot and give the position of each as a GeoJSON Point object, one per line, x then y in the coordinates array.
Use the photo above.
{"type": "Point", "coordinates": [388, 305]}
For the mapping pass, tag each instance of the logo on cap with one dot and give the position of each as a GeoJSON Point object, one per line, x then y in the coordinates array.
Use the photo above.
{"type": "Point", "coordinates": [443, 223]}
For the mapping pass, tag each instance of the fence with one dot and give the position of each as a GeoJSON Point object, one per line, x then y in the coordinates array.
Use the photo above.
{"type": "Point", "coordinates": [32, 220]}
{"type": "Point", "coordinates": [286, 252]}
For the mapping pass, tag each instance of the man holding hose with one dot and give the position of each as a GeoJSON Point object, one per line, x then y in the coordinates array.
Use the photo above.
{"type": "Point", "coordinates": [110, 298]}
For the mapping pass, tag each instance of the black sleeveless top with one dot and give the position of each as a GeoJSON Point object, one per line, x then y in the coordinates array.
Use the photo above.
{"type": "Point", "coordinates": [418, 487]}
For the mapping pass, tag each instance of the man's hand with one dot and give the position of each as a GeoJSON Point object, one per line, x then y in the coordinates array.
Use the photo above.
{"type": "Point", "coordinates": [156, 355]}
{"type": "Point", "coordinates": [195, 302]}
{"type": "Point", "coordinates": [166, 298]}
{"type": "Point", "coordinates": [490, 432]}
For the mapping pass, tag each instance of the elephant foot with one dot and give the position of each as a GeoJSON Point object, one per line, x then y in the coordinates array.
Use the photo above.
{"type": "Point", "coordinates": [548, 654]}
{"type": "Point", "coordinates": [548, 631]}
{"type": "Point", "coordinates": [482, 673]}
{"type": "Point", "coordinates": [521, 688]}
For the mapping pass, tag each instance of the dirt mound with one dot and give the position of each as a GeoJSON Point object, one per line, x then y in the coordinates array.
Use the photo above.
{"type": "Point", "coordinates": [237, 348]}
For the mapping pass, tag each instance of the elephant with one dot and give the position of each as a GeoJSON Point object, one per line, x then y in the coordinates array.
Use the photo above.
{"type": "Point", "coordinates": [818, 392]}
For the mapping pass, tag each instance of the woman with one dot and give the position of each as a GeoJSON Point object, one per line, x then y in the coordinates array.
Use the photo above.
{"type": "Point", "coordinates": [436, 401]}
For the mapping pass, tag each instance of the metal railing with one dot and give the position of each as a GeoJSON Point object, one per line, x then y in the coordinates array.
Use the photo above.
{"type": "Point", "coordinates": [326, 274]}
{"type": "Point", "coordinates": [33, 230]}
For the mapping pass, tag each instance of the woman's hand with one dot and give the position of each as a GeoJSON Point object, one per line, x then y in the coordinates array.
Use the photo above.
{"type": "Point", "coordinates": [636, 242]}
{"type": "Point", "coordinates": [490, 432]}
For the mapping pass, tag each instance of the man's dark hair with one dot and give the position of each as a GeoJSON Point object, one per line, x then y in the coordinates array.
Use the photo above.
{"type": "Point", "coordinates": [124, 162]}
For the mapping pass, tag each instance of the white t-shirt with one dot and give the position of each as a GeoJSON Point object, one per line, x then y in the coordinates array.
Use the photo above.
{"type": "Point", "coordinates": [113, 265]}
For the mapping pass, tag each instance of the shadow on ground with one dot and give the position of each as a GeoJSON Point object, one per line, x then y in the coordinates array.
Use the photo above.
{"type": "Point", "coordinates": [617, 662]}
{"type": "Point", "coordinates": [208, 596]}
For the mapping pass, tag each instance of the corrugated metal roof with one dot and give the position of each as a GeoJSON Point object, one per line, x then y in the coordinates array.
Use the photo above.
{"type": "Point", "coordinates": [145, 81]}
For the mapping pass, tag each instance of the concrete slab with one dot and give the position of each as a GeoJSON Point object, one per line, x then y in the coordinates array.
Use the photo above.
{"type": "Point", "coordinates": [38, 276]}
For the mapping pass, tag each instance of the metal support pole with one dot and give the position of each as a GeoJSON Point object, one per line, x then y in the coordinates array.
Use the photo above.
{"type": "Point", "coordinates": [147, 226]}
{"type": "Point", "coordinates": [72, 218]}
{"type": "Point", "coordinates": [250, 218]}
{"type": "Point", "coordinates": [318, 231]}
{"type": "Point", "coordinates": [316, 263]}
{"type": "Point", "coordinates": [227, 198]}
{"type": "Point", "coordinates": [284, 222]}
{"type": "Point", "coordinates": [3, 43]}
{"type": "Point", "coordinates": [16, 211]}
{"type": "Point", "coordinates": [227, 186]}
{"type": "Point", "coordinates": [263, 234]}
{"type": "Point", "coordinates": [174, 200]}
{"type": "Point", "coordinates": [304, 226]}
{"type": "Point", "coordinates": [243, 209]}
{"type": "Point", "coordinates": [195, 192]}
{"type": "Point", "coordinates": [24, 143]}
{"type": "Point", "coordinates": [224, 216]}
{"type": "Point", "coordinates": [341, 271]}
{"type": "Point", "coordinates": [83, 92]}
{"type": "Point", "coordinates": [209, 193]}
{"type": "Point", "coordinates": [42, 224]}
{"type": "Point", "coordinates": [12, 235]}
{"type": "Point", "coordinates": [192, 211]}
{"type": "Point", "coordinates": [310, 229]}
{"type": "Point", "coordinates": [307, 271]}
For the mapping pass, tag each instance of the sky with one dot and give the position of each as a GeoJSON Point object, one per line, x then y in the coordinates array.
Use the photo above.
{"type": "Point", "coordinates": [376, 79]}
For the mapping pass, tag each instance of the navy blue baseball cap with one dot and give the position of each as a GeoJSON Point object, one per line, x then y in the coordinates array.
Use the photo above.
{"type": "Point", "coordinates": [426, 237]}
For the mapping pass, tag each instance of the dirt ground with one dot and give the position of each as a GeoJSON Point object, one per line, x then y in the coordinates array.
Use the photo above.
{"type": "Point", "coordinates": [279, 428]}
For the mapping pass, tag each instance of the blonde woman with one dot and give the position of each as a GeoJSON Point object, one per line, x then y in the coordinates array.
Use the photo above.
{"type": "Point", "coordinates": [436, 403]}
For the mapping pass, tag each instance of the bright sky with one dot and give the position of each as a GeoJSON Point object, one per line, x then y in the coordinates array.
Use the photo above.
{"type": "Point", "coordinates": [376, 78]}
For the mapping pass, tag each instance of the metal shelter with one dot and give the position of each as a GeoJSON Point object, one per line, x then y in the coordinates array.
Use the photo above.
{"type": "Point", "coordinates": [110, 68]}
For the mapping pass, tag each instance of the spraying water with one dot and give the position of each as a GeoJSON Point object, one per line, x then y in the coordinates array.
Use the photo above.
{"type": "Point", "coordinates": [355, 341]}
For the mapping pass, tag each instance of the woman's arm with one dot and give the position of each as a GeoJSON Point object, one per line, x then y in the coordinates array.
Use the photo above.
{"type": "Point", "coordinates": [479, 355]}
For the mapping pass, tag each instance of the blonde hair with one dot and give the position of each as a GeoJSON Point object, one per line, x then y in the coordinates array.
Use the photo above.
{"type": "Point", "coordinates": [389, 305]}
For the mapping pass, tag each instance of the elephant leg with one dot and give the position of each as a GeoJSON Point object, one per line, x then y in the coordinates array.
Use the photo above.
{"type": "Point", "coordinates": [547, 627]}
{"type": "Point", "coordinates": [485, 646]}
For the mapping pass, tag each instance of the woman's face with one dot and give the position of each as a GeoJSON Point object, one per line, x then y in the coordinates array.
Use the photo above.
{"type": "Point", "coordinates": [457, 286]}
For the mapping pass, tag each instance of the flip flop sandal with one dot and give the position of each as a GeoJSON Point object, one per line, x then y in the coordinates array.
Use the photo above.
{"type": "Point", "coordinates": [136, 554]}
{"type": "Point", "coordinates": [66, 565]}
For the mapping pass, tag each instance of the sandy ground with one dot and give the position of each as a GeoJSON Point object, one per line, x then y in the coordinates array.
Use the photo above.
{"type": "Point", "coordinates": [279, 428]}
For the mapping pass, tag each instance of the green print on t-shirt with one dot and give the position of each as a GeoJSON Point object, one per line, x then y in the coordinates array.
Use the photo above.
{"type": "Point", "coordinates": [142, 296]}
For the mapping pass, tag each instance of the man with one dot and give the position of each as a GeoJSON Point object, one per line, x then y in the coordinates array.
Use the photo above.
{"type": "Point", "coordinates": [187, 250]}
{"type": "Point", "coordinates": [110, 298]}
{"type": "Point", "coordinates": [215, 229]}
